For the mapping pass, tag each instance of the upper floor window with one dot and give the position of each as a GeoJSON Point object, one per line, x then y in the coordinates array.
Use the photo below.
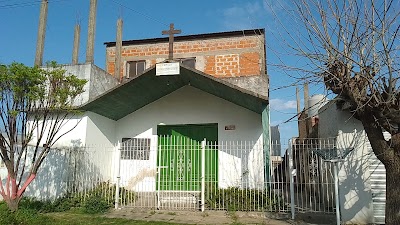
{"type": "Point", "coordinates": [135, 68]}
{"type": "Point", "coordinates": [189, 62]}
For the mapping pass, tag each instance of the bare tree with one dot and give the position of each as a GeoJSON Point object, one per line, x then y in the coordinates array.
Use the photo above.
{"type": "Point", "coordinates": [352, 47]}
{"type": "Point", "coordinates": [35, 105]}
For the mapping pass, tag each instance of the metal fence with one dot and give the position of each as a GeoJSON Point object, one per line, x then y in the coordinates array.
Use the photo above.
{"type": "Point", "coordinates": [181, 174]}
{"type": "Point", "coordinates": [312, 176]}
{"type": "Point", "coordinates": [90, 171]}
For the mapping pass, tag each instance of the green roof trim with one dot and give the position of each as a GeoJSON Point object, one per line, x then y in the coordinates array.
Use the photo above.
{"type": "Point", "coordinates": [136, 93]}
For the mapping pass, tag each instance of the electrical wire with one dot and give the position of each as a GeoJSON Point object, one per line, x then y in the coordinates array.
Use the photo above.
{"type": "Point", "coordinates": [26, 4]}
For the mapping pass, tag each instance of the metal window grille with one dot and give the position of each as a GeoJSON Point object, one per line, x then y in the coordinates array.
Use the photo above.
{"type": "Point", "coordinates": [135, 149]}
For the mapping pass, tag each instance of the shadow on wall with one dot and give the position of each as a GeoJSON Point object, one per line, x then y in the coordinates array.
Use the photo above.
{"type": "Point", "coordinates": [49, 182]}
{"type": "Point", "coordinates": [354, 186]}
{"type": "Point", "coordinates": [64, 171]}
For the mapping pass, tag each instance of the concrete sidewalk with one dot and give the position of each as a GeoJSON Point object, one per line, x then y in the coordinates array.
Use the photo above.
{"type": "Point", "coordinates": [193, 217]}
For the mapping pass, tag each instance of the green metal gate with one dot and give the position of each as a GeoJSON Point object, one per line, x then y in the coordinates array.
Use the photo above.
{"type": "Point", "coordinates": [179, 156]}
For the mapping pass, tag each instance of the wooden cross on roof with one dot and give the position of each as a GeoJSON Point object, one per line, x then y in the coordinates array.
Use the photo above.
{"type": "Point", "coordinates": [171, 33]}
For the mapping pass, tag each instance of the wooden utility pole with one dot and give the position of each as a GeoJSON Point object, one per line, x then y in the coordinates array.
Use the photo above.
{"type": "Point", "coordinates": [306, 110]}
{"type": "Point", "coordinates": [91, 32]}
{"type": "Point", "coordinates": [118, 49]}
{"type": "Point", "coordinates": [171, 33]}
{"type": "Point", "coordinates": [75, 51]}
{"type": "Point", "coordinates": [41, 33]}
{"type": "Point", "coordinates": [306, 98]}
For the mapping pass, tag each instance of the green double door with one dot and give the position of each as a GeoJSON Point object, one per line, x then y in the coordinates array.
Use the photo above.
{"type": "Point", "coordinates": [179, 156]}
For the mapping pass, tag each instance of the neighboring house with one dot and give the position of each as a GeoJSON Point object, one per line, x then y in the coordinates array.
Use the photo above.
{"type": "Point", "coordinates": [330, 127]}
{"type": "Point", "coordinates": [362, 176]}
{"type": "Point", "coordinates": [220, 94]}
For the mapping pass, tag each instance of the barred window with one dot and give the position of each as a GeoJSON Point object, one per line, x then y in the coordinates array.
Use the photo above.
{"type": "Point", "coordinates": [135, 149]}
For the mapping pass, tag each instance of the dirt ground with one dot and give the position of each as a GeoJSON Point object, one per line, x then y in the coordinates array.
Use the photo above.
{"type": "Point", "coordinates": [207, 217]}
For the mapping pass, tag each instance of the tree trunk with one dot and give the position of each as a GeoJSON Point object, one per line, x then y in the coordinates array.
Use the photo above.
{"type": "Point", "coordinates": [389, 154]}
{"type": "Point", "coordinates": [392, 213]}
{"type": "Point", "coordinates": [13, 204]}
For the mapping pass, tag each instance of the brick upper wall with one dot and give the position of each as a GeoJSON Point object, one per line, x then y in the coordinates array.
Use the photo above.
{"type": "Point", "coordinates": [220, 57]}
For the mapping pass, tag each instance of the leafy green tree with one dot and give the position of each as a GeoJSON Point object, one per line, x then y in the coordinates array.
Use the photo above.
{"type": "Point", "coordinates": [35, 103]}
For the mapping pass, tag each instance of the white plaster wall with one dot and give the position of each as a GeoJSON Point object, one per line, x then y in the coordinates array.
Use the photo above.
{"type": "Point", "coordinates": [93, 132]}
{"type": "Point", "coordinates": [189, 105]}
{"type": "Point", "coordinates": [49, 183]}
{"type": "Point", "coordinates": [256, 166]}
{"type": "Point", "coordinates": [101, 145]}
{"type": "Point", "coordinates": [331, 120]}
{"type": "Point", "coordinates": [98, 81]}
{"type": "Point", "coordinates": [241, 164]}
{"type": "Point", "coordinates": [71, 133]}
{"type": "Point", "coordinates": [100, 131]}
{"type": "Point", "coordinates": [229, 170]}
{"type": "Point", "coordinates": [354, 186]}
{"type": "Point", "coordinates": [82, 71]}
{"type": "Point", "coordinates": [140, 175]}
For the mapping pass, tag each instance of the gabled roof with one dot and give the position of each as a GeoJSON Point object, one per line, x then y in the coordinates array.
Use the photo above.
{"type": "Point", "coordinates": [147, 88]}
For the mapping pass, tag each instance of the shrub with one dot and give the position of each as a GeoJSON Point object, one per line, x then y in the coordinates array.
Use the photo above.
{"type": "Point", "coordinates": [95, 200]}
{"type": "Point", "coordinates": [66, 203]}
{"type": "Point", "coordinates": [31, 203]}
{"type": "Point", "coordinates": [236, 199]}
{"type": "Point", "coordinates": [6, 217]}
{"type": "Point", "coordinates": [106, 191]}
{"type": "Point", "coordinates": [95, 204]}
{"type": "Point", "coordinates": [23, 216]}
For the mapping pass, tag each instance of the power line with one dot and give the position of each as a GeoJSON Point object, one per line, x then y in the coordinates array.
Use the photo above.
{"type": "Point", "coordinates": [25, 4]}
{"type": "Point", "coordinates": [138, 12]}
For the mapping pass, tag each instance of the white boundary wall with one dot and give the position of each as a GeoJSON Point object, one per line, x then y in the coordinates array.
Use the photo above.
{"type": "Point", "coordinates": [355, 188]}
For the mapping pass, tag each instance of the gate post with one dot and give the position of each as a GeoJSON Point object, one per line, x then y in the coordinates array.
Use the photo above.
{"type": "Point", "coordinates": [203, 173]}
{"type": "Point", "coordinates": [335, 169]}
{"type": "Point", "coordinates": [291, 176]}
{"type": "Point", "coordinates": [118, 167]}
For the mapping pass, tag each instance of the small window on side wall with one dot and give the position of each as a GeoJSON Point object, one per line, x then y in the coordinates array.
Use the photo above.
{"type": "Point", "coordinates": [135, 68]}
{"type": "Point", "coordinates": [189, 62]}
{"type": "Point", "coordinates": [135, 149]}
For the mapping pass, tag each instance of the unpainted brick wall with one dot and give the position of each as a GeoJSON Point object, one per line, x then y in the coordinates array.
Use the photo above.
{"type": "Point", "coordinates": [220, 57]}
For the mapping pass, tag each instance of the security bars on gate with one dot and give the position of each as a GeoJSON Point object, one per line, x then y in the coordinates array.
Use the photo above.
{"type": "Point", "coordinates": [312, 183]}
{"type": "Point", "coordinates": [333, 155]}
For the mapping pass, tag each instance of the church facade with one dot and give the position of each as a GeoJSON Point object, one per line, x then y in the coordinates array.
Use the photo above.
{"type": "Point", "coordinates": [157, 123]}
